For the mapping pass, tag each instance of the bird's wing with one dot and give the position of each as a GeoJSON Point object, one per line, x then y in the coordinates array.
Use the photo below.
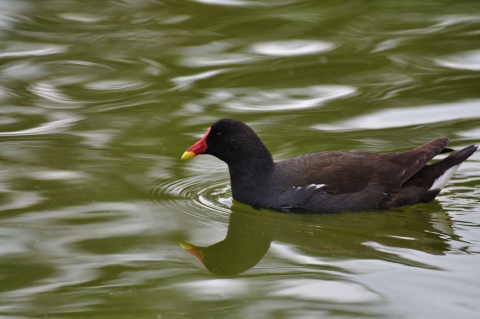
{"type": "Point", "coordinates": [353, 172]}
{"type": "Point", "coordinates": [314, 197]}
{"type": "Point", "coordinates": [405, 165]}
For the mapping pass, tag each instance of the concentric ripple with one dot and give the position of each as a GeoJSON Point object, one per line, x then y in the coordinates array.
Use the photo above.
{"type": "Point", "coordinates": [206, 197]}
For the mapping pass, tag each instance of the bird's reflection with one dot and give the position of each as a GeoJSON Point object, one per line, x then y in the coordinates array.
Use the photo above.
{"type": "Point", "coordinates": [343, 235]}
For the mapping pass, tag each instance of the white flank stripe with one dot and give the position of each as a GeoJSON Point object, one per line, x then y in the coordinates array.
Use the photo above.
{"type": "Point", "coordinates": [316, 186]}
{"type": "Point", "coordinates": [443, 180]}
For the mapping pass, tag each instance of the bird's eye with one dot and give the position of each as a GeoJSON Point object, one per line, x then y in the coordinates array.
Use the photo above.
{"type": "Point", "coordinates": [218, 136]}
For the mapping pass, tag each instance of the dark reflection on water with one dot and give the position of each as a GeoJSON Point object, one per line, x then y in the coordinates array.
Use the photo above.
{"type": "Point", "coordinates": [342, 235]}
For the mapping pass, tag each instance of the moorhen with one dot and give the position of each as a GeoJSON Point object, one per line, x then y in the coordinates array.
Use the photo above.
{"type": "Point", "coordinates": [327, 181]}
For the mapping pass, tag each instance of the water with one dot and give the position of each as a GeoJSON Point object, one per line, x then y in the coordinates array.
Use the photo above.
{"type": "Point", "coordinates": [98, 101]}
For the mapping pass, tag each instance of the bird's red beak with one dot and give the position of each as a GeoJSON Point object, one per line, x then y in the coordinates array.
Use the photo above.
{"type": "Point", "coordinates": [198, 148]}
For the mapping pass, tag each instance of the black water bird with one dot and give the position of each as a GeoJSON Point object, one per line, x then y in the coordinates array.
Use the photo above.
{"type": "Point", "coordinates": [327, 181]}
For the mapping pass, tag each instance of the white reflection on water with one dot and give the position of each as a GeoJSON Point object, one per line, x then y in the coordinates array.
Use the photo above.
{"type": "Point", "coordinates": [291, 47]}
{"type": "Point", "coordinates": [284, 99]}
{"type": "Point", "coordinates": [22, 70]}
{"type": "Point", "coordinates": [47, 128]}
{"type": "Point", "coordinates": [219, 59]}
{"type": "Point", "coordinates": [20, 50]}
{"type": "Point", "coordinates": [441, 23]}
{"type": "Point", "coordinates": [57, 245]}
{"type": "Point", "coordinates": [52, 93]}
{"type": "Point", "coordinates": [293, 256]}
{"type": "Point", "coordinates": [473, 133]}
{"type": "Point", "coordinates": [18, 199]}
{"type": "Point", "coordinates": [6, 120]}
{"type": "Point", "coordinates": [467, 110]}
{"type": "Point", "coordinates": [4, 93]}
{"type": "Point", "coordinates": [230, 2]}
{"type": "Point", "coordinates": [214, 289]}
{"type": "Point", "coordinates": [469, 60]}
{"type": "Point", "coordinates": [115, 85]}
{"type": "Point", "coordinates": [10, 12]}
{"type": "Point", "coordinates": [324, 290]}
{"type": "Point", "coordinates": [97, 138]}
{"type": "Point", "coordinates": [387, 45]}
{"type": "Point", "coordinates": [69, 176]}
{"type": "Point", "coordinates": [81, 17]}
{"type": "Point", "coordinates": [184, 82]}
{"type": "Point", "coordinates": [213, 54]}
{"type": "Point", "coordinates": [250, 99]}
{"type": "Point", "coordinates": [246, 3]}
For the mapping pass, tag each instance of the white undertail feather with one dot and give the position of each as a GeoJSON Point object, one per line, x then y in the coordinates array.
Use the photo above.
{"type": "Point", "coordinates": [443, 180]}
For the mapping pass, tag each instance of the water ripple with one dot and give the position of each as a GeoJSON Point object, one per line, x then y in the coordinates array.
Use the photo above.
{"type": "Point", "coordinates": [442, 23]}
{"type": "Point", "coordinates": [291, 47]}
{"type": "Point", "coordinates": [202, 191]}
{"type": "Point", "coordinates": [469, 60]}
{"type": "Point", "coordinates": [185, 82]}
{"type": "Point", "coordinates": [19, 199]}
{"type": "Point", "coordinates": [21, 50]}
{"type": "Point", "coordinates": [241, 100]}
{"type": "Point", "coordinates": [47, 128]}
{"type": "Point", "coordinates": [22, 70]}
{"type": "Point", "coordinates": [116, 85]}
{"type": "Point", "coordinates": [81, 17]}
{"type": "Point", "coordinates": [324, 290]}
{"type": "Point", "coordinates": [418, 115]}
{"type": "Point", "coordinates": [71, 264]}
{"type": "Point", "coordinates": [214, 54]}
{"type": "Point", "coordinates": [51, 93]}
{"type": "Point", "coordinates": [219, 59]}
{"type": "Point", "coordinates": [198, 193]}
{"type": "Point", "coordinates": [210, 289]}
{"type": "Point", "coordinates": [246, 3]}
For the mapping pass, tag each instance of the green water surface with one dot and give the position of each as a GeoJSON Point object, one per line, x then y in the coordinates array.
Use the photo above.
{"type": "Point", "coordinates": [99, 99]}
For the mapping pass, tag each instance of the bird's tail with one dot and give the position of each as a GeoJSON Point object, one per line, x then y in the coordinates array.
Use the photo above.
{"type": "Point", "coordinates": [441, 172]}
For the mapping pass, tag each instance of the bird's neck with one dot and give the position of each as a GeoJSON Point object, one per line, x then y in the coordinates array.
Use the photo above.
{"type": "Point", "coordinates": [248, 175]}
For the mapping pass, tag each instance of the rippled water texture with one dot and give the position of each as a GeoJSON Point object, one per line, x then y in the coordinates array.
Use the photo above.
{"type": "Point", "coordinates": [99, 99]}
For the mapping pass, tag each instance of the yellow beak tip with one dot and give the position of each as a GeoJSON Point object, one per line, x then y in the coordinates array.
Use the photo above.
{"type": "Point", "coordinates": [186, 246]}
{"type": "Point", "coordinates": [187, 155]}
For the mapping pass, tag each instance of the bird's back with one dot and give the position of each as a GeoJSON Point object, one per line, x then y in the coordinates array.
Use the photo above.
{"type": "Point", "coordinates": [333, 181]}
